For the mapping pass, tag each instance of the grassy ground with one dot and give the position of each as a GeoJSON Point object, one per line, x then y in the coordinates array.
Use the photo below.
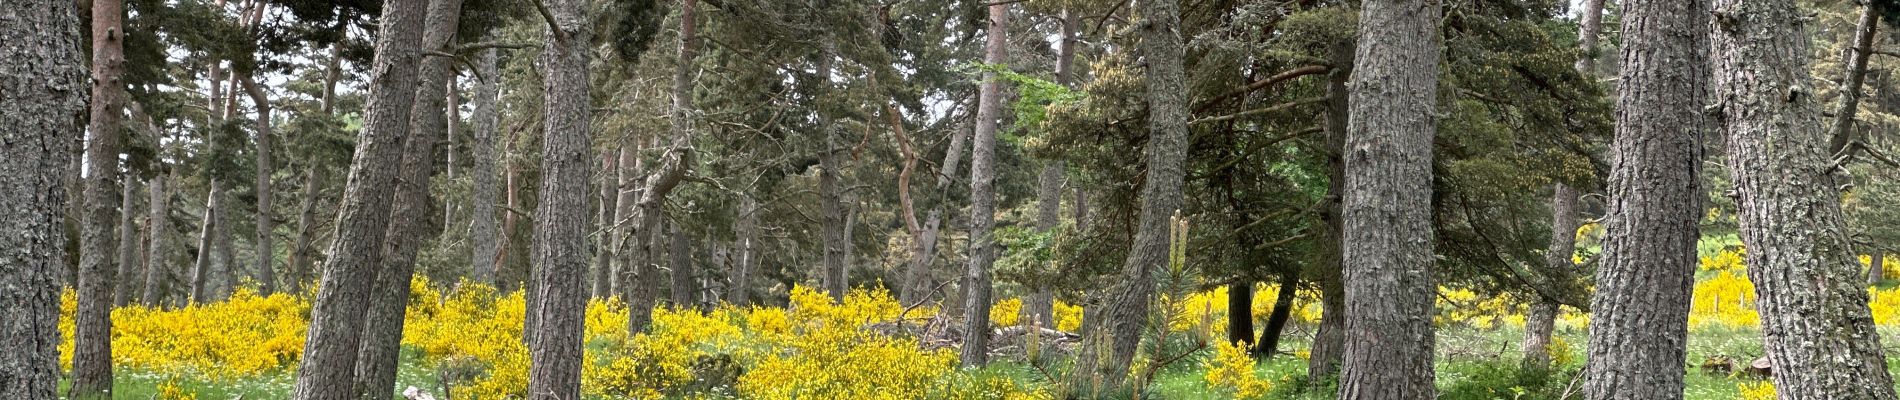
{"type": "Point", "coordinates": [1472, 364]}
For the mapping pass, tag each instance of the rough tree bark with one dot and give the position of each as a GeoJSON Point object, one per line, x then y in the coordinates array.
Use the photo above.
{"type": "Point", "coordinates": [560, 217]}
{"type": "Point", "coordinates": [1118, 328]}
{"type": "Point", "coordinates": [129, 244]}
{"type": "Point", "coordinates": [1039, 307]}
{"type": "Point", "coordinates": [349, 274]}
{"type": "Point", "coordinates": [1387, 204]}
{"type": "Point", "coordinates": [42, 93]}
{"type": "Point", "coordinates": [1269, 342]}
{"type": "Point", "coordinates": [1841, 130]}
{"type": "Point", "coordinates": [92, 322]}
{"type": "Point", "coordinates": [409, 221]}
{"type": "Point", "coordinates": [1640, 312]}
{"type": "Point", "coordinates": [917, 283]}
{"type": "Point", "coordinates": [604, 222]}
{"type": "Point", "coordinates": [1818, 332]}
{"type": "Point", "coordinates": [976, 278]}
{"type": "Point", "coordinates": [1542, 318]}
{"type": "Point", "coordinates": [626, 245]}
{"type": "Point", "coordinates": [482, 235]}
{"type": "Point", "coordinates": [679, 253]}
{"type": "Point", "coordinates": [830, 197]}
{"type": "Point", "coordinates": [266, 273]}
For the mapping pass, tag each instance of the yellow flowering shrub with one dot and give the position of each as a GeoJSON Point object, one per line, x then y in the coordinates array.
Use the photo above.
{"type": "Point", "coordinates": [1068, 317]}
{"type": "Point", "coordinates": [1207, 310]}
{"type": "Point", "coordinates": [1006, 313]}
{"type": "Point", "coordinates": [245, 336]}
{"type": "Point", "coordinates": [1232, 369]}
{"type": "Point", "coordinates": [1757, 390]}
{"type": "Point", "coordinates": [1726, 300]}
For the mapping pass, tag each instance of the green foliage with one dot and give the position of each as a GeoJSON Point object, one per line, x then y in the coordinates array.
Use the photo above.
{"type": "Point", "coordinates": [1507, 380]}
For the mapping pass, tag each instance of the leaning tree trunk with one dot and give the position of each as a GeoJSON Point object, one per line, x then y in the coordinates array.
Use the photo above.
{"type": "Point", "coordinates": [672, 169]}
{"type": "Point", "coordinates": [976, 278]}
{"type": "Point", "coordinates": [1322, 363]}
{"type": "Point", "coordinates": [1128, 302]}
{"type": "Point", "coordinates": [159, 223]}
{"type": "Point", "coordinates": [626, 246]}
{"type": "Point", "coordinates": [1040, 306]}
{"type": "Point", "coordinates": [482, 235]}
{"type": "Point", "coordinates": [266, 273]}
{"type": "Point", "coordinates": [42, 93]}
{"type": "Point", "coordinates": [92, 321]}
{"type": "Point", "coordinates": [301, 250]}
{"type": "Point", "coordinates": [1387, 204]}
{"type": "Point", "coordinates": [1240, 313]}
{"type": "Point", "coordinates": [337, 316]}
{"type": "Point", "coordinates": [745, 251]}
{"type": "Point", "coordinates": [560, 217]}
{"type": "Point", "coordinates": [1640, 311]}
{"type": "Point", "coordinates": [1840, 131]}
{"type": "Point", "coordinates": [1818, 333]}
{"type": "Point", "coordinates": [409, 216]}
{"type": "Point", "coordinates": [1876, 270]}
{"type": "Point", "coordinates": [917, 285]}
{"type": "Point", "coordinates": [1269, 342]}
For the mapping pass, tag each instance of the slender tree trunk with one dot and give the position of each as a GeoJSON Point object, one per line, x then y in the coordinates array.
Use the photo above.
{"type": "Point", "coordinates": [159, 223]}
{"type": "Point", "coordinates": [830, 197]}
{"type": "Point", "coordinates": [1125, 313]}
{"type": "Point", "coordinates": [1269, 343]}
{"type": "Point", "coordinates": [482, 226]}
{"type": "Point", "coordinates": [680, 255]}
{"type": "Point", "coordinates": [222, 260]}
{"type": "Point", "coordinates": [92, 332]}
{"type": "Point", "coordinates": [1818, 332]}
{"type": "Point", "coordinates": [409, 216]}
{"type": "Point", "coordinates": [42, 93]}
{"type": "Point", "coordinates": [672, 169]}
{"type": "Point", "coordinates": [350, 273]}
{"type": "Point", "coordinates": [1387, 203]}
{"type": "Point", "coordinates": [1041, 304]}
{"type": "Point", "coordinates": [1240, 313]}
{"type": "Point", "coordinates": [302, 252]}
{"type": "Point", "coordinates": [1329, 343]}
{"type": "Point", "coordinates": [917, 278]}
{"type": "Point", "coordinates": [1542, 319]}
{"type": "Point", "coordinates": [746, 228]}
{"type": "Point", "coordinates": [1877, 271]}
{"type": "Point", "coordinates": [603, 242]}
{"type": "Point", "coordinates": [976, 279]}
{"type": "Point", "coordinates": [1640, 311]}
{"type": "Point", "coordinates": [626, 245]}
{"type": "Point", "coordinates": [129, 244]}
{"type": "Point", "coordinates": [266, 273]}
{"type": "Point", "coordinates": [1841, 130]}
{"type": "Point", "coordinates": [560, 217]}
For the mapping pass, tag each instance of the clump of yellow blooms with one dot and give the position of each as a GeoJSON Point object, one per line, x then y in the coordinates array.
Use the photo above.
{"type": "Point", "coordinates": [1757, 390]}
{"type": "Point", "coordinates": [245, 336]}
{"type": "Point", "coordinates": [1007, 312]}
{"type": "Point", "coordinates": [1204, 310]}
{"type": "Point", "coordinates": [1232, 369]}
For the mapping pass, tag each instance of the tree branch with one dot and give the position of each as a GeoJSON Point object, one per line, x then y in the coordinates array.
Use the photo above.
{"type": "Point", "coordinates": [1283, 76]}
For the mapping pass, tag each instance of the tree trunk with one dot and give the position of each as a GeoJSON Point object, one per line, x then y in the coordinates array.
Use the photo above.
{"type": "Point", "coordinates": [560, 217]}
{"type": "Point", "coordinates": [266, 274]}
{"type": "Point", "coordinates": [1387, 203]}
{"type": "Point", "coordinates": [745, 251]}
{"type": "Point", "coordinates": [1269, 342]}
{"type": "Point", "coordinates": [1329, 342]}
{"type": "Point", "coordinates": [1641, 307]}
{"type": "Point", "coordinates": [410, 212]}
{"type": "Point", "coordinates": [626, 245]}
{"type": "Point", "coordinates": [1240, 313]}
{"type": "Point", "coordinates": [680, 260]}
{"type": "Point", "coordinates": [1542, 318]}
{"type": "Point", "coordinates": [92, 332]}
{"type": "Point", "coordinates": [673, 166]}
{"type": "Point", "coordinates": [129, 244]}
{"type": "Point", "coordinates": [1841, 132]}
{"type": "Point", "coordinates": [1125, 313]}
{"type": "Point", "coordinates": [159, 223]}
{"type": "Point", "coordinates": [1818, 333]}
{"type": "Point", "coordinates": [976, 279]}
{"type": "Point", "coordinates": [1041, 304]}
{"type": "Point", "coordinates": [42, 93]}
{"type": "Point", "coordinates": [350, 273]}
{"type": "Point", "coordinates": [201, 266]}
{"type": "Point", "coordinates": [1877, 271]}
{"type": "Point", "coordinates": [222, 260]}
{"type": "Point", "coordinates": [917, 285]}
{"type": "Point", "coordinates": [482, 235]}
{"type": "Point", "coordinates": [301, 251]}
{"type": "Point", "coordinates": [603, 243]}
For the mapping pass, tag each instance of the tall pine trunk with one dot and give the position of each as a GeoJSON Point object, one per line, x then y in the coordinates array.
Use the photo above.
{"type": "Point", "coordinates": [976, 278]}
{"type": "Point", "coordinates": [42, 93]}
{"type": "Point", "coordinates": [1040, 306]}
{"type": "Point", "coordinates": [1329, 342]}
{"type": "Point", "coordinates": [343, 295]}
{"type": "Point", "coordinates": [129, 244]}
{"type": "Point", "coordinates": [92, 321]}
{"type": "Point", "coordinates": [1818, 333]}
{"type": "Point", "coordinates": [410, 211]}
{"type": "Point", "coordinates": [560, 217]}
{"type": "Point", "coordinates": [1118, 326]}
{"type": "Point", "coordinates": [1387, 205]}
{"type": "Point", "coordinates": [159, 223]}
{"type": "Point", "coordinates": [1640, 312]}
{"type": "Point", "coordinates": [1542, 318]}
{"type": "Point", "coordinates": [672, 169]}
{"type": "Point", "coordinates": [604, 208]}
{"type": "Point", "coordinates": [266, 272]}
{"type": "Point", "coordinates": [484, 242]}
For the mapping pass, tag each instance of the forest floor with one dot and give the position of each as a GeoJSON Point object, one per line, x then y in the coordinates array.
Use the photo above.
{"type": "Point", "coordinates": [1472, 364]}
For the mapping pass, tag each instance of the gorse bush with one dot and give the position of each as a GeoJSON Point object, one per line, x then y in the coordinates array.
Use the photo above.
{"type": "Point", "coordinates": [245, 336]}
